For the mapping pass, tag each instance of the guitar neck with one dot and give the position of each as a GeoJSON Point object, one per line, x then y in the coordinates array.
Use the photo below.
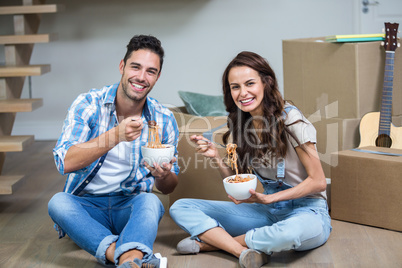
{"type": "Point", "coordinates": [386, 99]}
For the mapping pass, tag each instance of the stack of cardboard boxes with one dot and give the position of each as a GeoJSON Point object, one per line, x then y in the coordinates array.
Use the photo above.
{"type": "Point", "coordinates": [335, 85]}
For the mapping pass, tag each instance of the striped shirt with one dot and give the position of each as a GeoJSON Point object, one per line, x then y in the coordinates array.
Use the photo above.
{"type": "Point", "coordinates": [94, 113]}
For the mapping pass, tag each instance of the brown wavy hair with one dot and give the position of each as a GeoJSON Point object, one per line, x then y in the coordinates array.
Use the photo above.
{"type": "Point", "coordinates": [273, 137]}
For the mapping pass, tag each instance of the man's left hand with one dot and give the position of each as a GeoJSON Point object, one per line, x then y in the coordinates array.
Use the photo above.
{"type": "Point", "coordinates": [161, 171]}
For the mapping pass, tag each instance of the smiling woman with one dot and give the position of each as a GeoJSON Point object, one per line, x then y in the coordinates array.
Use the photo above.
{"type": "Point", "coordinates": [247, 89]}
{"type": "Point", "coordinates": [263, 127]}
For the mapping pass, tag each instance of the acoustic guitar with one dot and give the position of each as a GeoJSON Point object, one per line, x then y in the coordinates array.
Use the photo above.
{"type": "Point", "coordinates": [376, 129]}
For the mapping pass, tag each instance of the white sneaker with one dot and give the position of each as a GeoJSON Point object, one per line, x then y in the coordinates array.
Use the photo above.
{"type": "Point", "coordinates": [162, 260]}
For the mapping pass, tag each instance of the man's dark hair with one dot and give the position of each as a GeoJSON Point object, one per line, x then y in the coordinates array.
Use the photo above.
{"type": "Point", "coordinates": [145, 42]}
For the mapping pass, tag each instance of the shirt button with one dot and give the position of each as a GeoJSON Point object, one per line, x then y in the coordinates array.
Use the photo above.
{"type": "Point", "coordinates": [100, 164]}
{"type": "Point", "coordinates": [86, 181]}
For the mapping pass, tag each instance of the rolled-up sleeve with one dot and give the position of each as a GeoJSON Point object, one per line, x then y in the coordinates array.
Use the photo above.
{"type": "Point", "coordinates": [76, 128]}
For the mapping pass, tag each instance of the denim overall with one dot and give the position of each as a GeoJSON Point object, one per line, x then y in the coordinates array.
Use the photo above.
{"type": "Point", "coordinates": [299, 224]}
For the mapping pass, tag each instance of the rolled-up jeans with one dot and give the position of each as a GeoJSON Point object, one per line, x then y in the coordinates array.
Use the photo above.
{"type": "Point", "coordinates": [299, 224]}
{"type": "Point", "coordinates": [94, 222]}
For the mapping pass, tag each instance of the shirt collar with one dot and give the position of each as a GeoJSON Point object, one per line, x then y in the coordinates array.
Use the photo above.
{"type": "Point", "coordinates": [111, 94]}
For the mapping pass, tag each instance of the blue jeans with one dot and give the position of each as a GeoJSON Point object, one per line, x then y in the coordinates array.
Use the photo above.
{"type": "Point", "coordinates": [299, 224]}
{"type": "Point", "coordinates": [95, 222]}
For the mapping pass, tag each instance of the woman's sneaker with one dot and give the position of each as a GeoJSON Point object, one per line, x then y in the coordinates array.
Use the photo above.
{"type": "Point", "coordinates": [251, 258]}
{"type": "Point", "coordinates": [188, 246]}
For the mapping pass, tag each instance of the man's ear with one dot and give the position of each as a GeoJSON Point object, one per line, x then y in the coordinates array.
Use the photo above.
{"type": "Point", "coordinates": [121, 66]}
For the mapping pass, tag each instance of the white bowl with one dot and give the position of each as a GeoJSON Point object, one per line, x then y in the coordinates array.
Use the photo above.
{"type": "Point", "coordinates": [240, 190]}
{"type": "Point", "coordinates": [157, 155]}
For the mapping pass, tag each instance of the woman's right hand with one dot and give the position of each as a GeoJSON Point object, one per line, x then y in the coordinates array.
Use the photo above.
{"type": "Point", "coordinates": [205, 147]}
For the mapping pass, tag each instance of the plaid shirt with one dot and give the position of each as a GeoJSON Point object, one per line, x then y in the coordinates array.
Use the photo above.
{"type": "Point", "coordinates": [92, 114]}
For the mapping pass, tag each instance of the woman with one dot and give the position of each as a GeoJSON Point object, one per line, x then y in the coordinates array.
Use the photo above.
{"type": "Point", "coordinates": [277, 142]}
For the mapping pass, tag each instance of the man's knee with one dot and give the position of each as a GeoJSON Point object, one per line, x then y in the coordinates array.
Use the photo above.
{"type": "Point", "coordinates": [150, 201]}
{"type": "Point", "coordinates": [58, 203]}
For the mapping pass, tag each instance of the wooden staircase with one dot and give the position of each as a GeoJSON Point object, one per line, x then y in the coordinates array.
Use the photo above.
{"type": "Point", "coordinates": [18, 50]}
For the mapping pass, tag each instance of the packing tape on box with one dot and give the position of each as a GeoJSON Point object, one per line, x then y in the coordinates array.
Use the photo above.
{"type": "Point", "coordinates": [375, 152]}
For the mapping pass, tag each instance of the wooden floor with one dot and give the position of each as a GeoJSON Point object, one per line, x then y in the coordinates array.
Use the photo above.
{"type": "Point", "coordinates": [28, 239]}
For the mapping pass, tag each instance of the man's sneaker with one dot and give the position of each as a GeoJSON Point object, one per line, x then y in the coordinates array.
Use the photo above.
{"type": "Point", "coordinates": [251, 258]}
{"type": "Point", "coordinates": [157, 262]}
{"type": "Point", "coordinates": [131, 264]}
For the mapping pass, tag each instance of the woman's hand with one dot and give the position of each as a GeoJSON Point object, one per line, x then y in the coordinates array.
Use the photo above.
{"type": "Point", "coordinates": [205, 147]}
{"type": "Point", "coordinates": [208, 149]}
{"type": "Point", "coordinates": [254, 198]}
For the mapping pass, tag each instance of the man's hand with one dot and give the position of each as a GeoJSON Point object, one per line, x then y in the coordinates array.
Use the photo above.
{"type": "Point", "coordinates": [165, 180]}
{"type": "Point", "coordinates": [162, 171]}
{"type": "Point", "coordinates": [130, 128]}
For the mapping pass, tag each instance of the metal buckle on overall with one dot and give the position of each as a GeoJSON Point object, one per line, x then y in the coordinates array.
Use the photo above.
{"type": "Point", "coordinates": [280, 171]}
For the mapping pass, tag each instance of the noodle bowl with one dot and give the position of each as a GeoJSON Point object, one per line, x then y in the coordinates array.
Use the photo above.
{"type": "Point", "coordinates": [158, 155]}
{"type": "Point", "coordinates": [154, 151]}
{"type": "Point", "coordinates": [238, 185]}
{"type": "Point", "coordinates": [240, 190]}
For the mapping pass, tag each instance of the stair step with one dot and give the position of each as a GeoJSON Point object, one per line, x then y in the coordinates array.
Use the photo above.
{"type": "Point", "coordinates": [30, 9]}
{"type": "Point", "coordinates": [24, 70]}
{"type": "Point", "coordinates": [15, 143]}
{"type": "Point", "coordinates": [9, 183]}
{"type": "Point", "coordinates": [19, 105]}
{"type": "Point", "coordinates": [27, 39]}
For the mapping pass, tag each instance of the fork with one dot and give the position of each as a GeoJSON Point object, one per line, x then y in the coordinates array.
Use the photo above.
{"type": "Point", "coordinates": [216, 143]}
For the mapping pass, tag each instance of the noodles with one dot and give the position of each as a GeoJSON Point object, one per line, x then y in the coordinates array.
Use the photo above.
{"type": "Point", "coordinates": [238, 179]}
{"type": "Point", "coordinates": [232, 156]}
{"type": "Point", "coordinates": [153, 135]}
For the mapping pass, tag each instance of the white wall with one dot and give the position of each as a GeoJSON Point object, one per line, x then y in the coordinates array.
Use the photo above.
{"type": "Point", "coordinates": [200, 37]}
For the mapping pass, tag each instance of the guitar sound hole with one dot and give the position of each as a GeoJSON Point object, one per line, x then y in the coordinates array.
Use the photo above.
{"type": "Point", "coordinates": [383, 140]}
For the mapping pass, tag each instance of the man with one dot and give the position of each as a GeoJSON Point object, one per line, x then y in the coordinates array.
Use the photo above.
{"type": "Point", "coordinates": [107, 207]}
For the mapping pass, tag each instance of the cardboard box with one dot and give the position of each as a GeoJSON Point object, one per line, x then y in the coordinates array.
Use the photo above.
{"type": "Point", "coordinates": [346, 79]}
{"type": "Point", "coordinates": [333, 135]}
{"type": "Point", "coordinates": [366, 188]}
{"type": "Point", "coordinates": [199, 177]}
{"type": "Point", "coordinates": [397, 120]}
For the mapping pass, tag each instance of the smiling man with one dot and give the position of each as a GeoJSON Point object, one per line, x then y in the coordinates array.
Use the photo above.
{"type": "Point", "coordinates": [107, 206]}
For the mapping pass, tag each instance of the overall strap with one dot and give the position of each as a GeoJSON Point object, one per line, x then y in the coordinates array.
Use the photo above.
{"type": "Point", "coordinates": [280, 166]}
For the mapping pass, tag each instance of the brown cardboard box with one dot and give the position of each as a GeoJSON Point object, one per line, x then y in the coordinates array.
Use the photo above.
{"type": "Point", "coordinates": [199, 177]}
{"type": "Point", "coordinates": [366, 188]}
{"type": "Point", "coordinates": [333, 135]}
{"type": "Point", "coordinates": [397, 120]}
{"type": "Point", "coordinates": [344, 78]}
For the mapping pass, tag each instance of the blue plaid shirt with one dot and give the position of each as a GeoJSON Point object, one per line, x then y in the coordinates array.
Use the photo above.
{"type": "Point", "coordinates": [92, 114]}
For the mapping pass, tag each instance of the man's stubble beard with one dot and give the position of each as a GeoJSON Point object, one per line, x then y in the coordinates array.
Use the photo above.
{"type": "Point", "coordinates": [134, 97]}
